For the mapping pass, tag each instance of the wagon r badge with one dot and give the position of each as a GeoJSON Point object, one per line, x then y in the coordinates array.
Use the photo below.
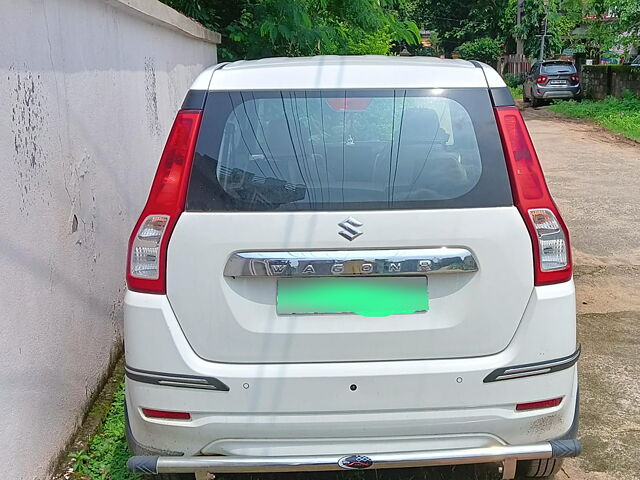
{"type": "Point", "coordinates": [355, 462]}
{"type": "Point", "coordinates": [350, 231]}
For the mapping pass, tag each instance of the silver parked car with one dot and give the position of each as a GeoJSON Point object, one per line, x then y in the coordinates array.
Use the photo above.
{"type": "Point", "coordinates": [551, 79]}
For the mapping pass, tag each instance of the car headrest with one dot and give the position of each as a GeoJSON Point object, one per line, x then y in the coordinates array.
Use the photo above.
{"type": "Point", "coordinates": [422, 124]}
{"type": "Point", "coordinates": [278, 139]}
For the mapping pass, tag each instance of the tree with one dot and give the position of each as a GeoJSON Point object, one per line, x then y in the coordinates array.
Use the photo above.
{"type": "Point", "coordinates": [611, 23]}
{"type": "Point", "coordinates": [260, 28]}
{"type": "Point", "coordinates": [459, 21]}
{"type": "Point", "coordinates": [562, 17]}
{"type": "Point", "coordinates": [484, 49]}
{"type": "Point", "coordinates": [629, 14]}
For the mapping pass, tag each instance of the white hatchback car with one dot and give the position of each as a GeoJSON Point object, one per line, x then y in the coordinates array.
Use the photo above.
{"type": "Point", "coordinates": [348, 263]}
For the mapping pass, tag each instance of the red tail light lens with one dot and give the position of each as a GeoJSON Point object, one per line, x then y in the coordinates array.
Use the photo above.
{"type": "Point", "coordinates": [542, 79]}
{"type": "Point", "coordinates": [549, 234]}
{"type": "Point", "coordinates": [148, 243]}
{"type": "Point", "coordinates": [575, 79]}
{"type": "Point", "coordinates": [554, 402]}
{"type": "Point", "coordinates": [151, 413]}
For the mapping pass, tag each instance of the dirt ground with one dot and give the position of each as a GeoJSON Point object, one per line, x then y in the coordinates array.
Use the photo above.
{"type": "Point", "coordinates": [594, 177]}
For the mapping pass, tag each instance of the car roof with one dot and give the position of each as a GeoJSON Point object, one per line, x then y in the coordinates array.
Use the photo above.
{"type": "Point", "coordinates": [552, 62]}
{"type": "Point", "coordinates": [347, 72]}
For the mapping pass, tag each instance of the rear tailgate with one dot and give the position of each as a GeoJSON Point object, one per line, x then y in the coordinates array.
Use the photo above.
{"type": "Point", "coordinates": [279, 173]}
{"type": "Point", "coordinates": [558, 73]}
{"type": "Point", "coordinates": [235, 320]}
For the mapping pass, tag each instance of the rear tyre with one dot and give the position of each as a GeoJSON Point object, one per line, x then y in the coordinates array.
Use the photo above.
{"type": "Point", "coordinates": [543, 468]}
{"type": "Point", "coordinates": [524, 94]}
{"type": "Point", "coordinates": [535, 102]}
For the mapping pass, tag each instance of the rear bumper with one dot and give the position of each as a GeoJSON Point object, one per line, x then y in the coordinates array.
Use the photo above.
{"type": "Point", "coordinates": [301, 410]}
{"type": "Point", "coordinates": [506, 454]}
{"type": "Point", "coordinates": [564, 91]}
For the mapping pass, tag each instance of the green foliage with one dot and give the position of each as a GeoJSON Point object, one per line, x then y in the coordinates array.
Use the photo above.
{"type": "Point", "coordinates": [591, 26]}
{"type": "Point", "coordinates": [459, 21]}
{"type": "Point", "coordinates": [200, 10]}
{"type": "Point", "coordinates": [563, 16]}
{"type": "Point", "coordinates": [612, 22]}
{"type": "Point", "coordinates": [514, 79]}
{"type": "Point", "coordinates": [484, 49]}
{"type": "Point", "coordinates": [376, 43]}
{"type": "Point", "coordinates": [629, 14]}
{"type": "Point", "coordinates": [620, 115]}
{"type": "Point", "coordinates": [106, 455]}
{"type": "Point", "coordinates": [600, 35]}
{"type": "Point", "coordinates": [263, 28]}
{"type": "Point", "coordinates": [516, 92]}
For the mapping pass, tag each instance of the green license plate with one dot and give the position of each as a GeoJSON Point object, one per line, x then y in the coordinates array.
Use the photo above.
{"type": "Point", "coordinates": [367, 296]}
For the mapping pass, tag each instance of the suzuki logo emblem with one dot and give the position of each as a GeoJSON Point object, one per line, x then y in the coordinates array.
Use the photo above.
{"type": "Point", "coordinates": [350, 231]}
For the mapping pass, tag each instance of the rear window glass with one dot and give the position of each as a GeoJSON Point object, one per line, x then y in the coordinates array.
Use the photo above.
{"type": "Point", "coordinates": [558, 67]}
{"type": "Point", "coordinates": [334, 150]}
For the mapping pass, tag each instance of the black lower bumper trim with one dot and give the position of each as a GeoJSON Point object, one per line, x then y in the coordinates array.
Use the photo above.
{"type": "Point", "coordinates": [175, 380]}
{"type": "Point", "coordinates": [531, 369]}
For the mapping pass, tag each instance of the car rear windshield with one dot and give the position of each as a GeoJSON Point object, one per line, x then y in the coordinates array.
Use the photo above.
{"type": "Point", "coordinates": [354, 150]}
{"type": "Point", "coordinates": [558, 67]}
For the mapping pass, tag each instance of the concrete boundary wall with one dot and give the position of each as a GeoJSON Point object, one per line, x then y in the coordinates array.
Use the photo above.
{"type": "Point", "coordinates": [88, 93]}
{"type": "Point", "coordinates": [156, 12]}
{"type": "Point", "coordinates": [601, 81]}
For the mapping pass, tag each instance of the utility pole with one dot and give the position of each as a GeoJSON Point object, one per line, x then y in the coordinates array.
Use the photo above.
{"type": "Point", "coordinates": [519, 43]}
{"type": "Point", "coordinates": [544, 31]}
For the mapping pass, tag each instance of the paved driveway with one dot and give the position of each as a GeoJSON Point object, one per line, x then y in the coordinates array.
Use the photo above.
{"type": "Point", "coordinates": [595, 179]}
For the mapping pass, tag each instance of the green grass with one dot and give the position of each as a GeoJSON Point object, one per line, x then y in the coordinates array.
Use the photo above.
{"type": "Point", "coordinates": [620, 115]}
{"type": "Point", "coordinates": [516, 92]}
{"type": "Point", "coordinates": [106, 454]}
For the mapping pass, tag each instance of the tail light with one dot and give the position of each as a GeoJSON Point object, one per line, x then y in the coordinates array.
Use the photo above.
{"type": "Point", "coordinates": [575, 78]}
{"type": "Point", "coordinates": [549, 234]}
{"type": "Point", "coordinates": [542, 79]}
{"type": "Point", "coordinates": [147, 256]}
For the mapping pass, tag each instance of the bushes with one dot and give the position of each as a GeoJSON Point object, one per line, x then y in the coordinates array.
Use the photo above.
{"type": "Point", "coordinates": [514, 80]}
{"type": "Point", "coordinates": [516, 92]}
{"type": "Point", "coordinates": [486, 50]}
{"type": "Point", "coordinates": [267, 28]}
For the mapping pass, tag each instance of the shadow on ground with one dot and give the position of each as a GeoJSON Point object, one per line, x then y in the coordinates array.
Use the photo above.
{"type": "Point", "coordinates": [461, 472]}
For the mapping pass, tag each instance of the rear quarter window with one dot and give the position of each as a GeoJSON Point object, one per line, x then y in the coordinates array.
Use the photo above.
{"type": "Point", "coordinates": [348, 150]}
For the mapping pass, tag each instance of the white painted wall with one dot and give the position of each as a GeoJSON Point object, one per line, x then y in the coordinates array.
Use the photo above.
{"type": "Point", "coordinates": [88, 91]}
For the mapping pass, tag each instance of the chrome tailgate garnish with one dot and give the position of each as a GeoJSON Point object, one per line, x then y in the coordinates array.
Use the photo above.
{"type": "Point", "coordinates": [329, 263]}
